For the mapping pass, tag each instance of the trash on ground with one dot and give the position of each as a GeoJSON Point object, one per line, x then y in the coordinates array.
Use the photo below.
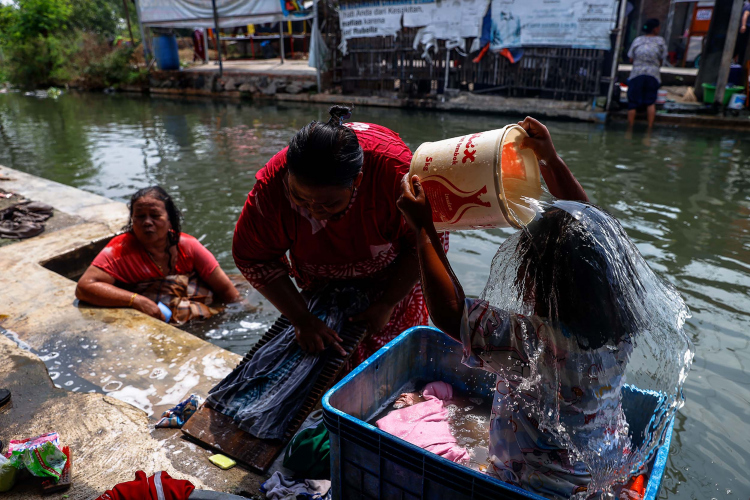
{"type": "Point", "coordinates": [222, 461]}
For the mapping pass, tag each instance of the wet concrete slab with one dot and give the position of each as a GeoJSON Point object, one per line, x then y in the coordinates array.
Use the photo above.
{"type": "Point", "coordinates": [120, 353]}
{"type": "Point", "coordinates": [109, 439]}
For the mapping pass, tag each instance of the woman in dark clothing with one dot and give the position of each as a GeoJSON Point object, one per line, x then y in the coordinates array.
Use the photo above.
{"type": "Point", "coordinates": [646, 53]}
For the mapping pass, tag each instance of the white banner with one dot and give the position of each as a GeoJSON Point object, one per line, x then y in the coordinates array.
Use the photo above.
{"type": "Point", "coordinates": [361, 22]}
{"type": "Point", "coordinates": [448, 19]}
{"type": "Point", "coordinates": [560, 23]}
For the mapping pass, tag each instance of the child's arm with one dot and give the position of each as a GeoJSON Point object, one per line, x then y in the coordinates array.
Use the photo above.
{"type": "Point", "coordinates": [560, 180]}
{"type": "Point", "coordinates": [442, 291]}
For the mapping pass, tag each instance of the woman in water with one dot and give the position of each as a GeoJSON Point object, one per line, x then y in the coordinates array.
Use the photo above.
{"type": "Point", "coordinates": [329, 201]}
{"type": "Point", "coordinates": [152, 262]}
{"type": "Point", "coordinates": [646, 54]}
{"type": "Point", "coordinates": [560, 350]}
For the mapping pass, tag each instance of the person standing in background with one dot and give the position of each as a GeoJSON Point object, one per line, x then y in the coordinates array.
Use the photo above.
{"type": "Point", "coordinates": [740, 45]}
{"type": "Point", "coordinates": [646, 53]}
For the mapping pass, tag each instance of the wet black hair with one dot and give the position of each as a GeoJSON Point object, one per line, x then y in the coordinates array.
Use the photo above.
{"type": "Point", "coordinates": [650, 25]}
{"type": "Point", "coordinates": [326, 154]}
{"type": "Point", "coordinates": [173, 213]}
{"type": "Point", "coordinates": [582, 271]}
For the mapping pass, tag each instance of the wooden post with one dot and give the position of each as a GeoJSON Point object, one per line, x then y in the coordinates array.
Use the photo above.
{"type": "Point", "coordinates": [205, 46]}
{"type": "Point", "coordinates": [668, 28]}
{"type": "Point", "coordinates": [316, 29]}
{"type": "Point", "coordinates": [616, 53]}
{"type": "Point", "coordinates": [714, 45]}
{"type": "Point", "coordinates": [281, 40]}
{"type": "Point", "coordinates": [127, 18]}
{"type": "Point", "coordinates": [726, 55]}
{"type": "Point", "coordinates": [218, 38]}
{"type": "Point", "coordinates": [144, 40]}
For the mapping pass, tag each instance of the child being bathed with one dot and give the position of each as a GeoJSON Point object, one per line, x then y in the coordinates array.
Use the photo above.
{"type": "Point", "coordinates": [560, 364]}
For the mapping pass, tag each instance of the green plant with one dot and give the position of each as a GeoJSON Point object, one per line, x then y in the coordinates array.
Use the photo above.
{"type": "Point", "coordinates": [40, 17]}
{"type": "Point", "coordinates": [39, 62]}
{"type": "Point", "coordinates": [113, 69]}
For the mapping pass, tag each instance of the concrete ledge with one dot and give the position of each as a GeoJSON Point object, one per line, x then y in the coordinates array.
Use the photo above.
{"type": "Point", "coordinates": [122, 353]}
{"type": "Point", "coordinates": [697, 121]}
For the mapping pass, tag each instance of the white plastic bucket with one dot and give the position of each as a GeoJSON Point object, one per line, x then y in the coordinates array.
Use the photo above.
{"type": "Point", "coordinates": [479, 180]}
{"type": "Point", "coordinates": [737, 101]}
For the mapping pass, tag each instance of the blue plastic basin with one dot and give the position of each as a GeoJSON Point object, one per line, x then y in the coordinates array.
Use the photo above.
{"type": "Point", "coordinates": [371, 464]}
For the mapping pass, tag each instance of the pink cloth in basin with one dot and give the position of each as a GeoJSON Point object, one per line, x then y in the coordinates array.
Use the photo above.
{"type": "Point", "coordinates": [426, 424]}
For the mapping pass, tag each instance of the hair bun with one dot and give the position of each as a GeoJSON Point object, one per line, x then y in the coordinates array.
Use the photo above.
{"type": "Point", "coordinates": [339, 114]}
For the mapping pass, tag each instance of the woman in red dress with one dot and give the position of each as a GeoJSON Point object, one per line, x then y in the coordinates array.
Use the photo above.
{"type": "Point", "coordinates": [329, 201]}
{"type": "Point", "coordinates": [154, 261]}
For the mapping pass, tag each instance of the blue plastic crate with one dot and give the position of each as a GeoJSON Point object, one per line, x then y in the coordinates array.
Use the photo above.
{"type": "Point", "coordinates": [367, 463]}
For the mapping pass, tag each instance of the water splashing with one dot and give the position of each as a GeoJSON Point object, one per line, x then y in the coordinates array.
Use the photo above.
{"type": "Point", "coordinates": [606, 320]}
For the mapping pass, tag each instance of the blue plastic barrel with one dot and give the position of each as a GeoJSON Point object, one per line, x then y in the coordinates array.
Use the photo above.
{"type": "Point", "coordinates": [166, 53]}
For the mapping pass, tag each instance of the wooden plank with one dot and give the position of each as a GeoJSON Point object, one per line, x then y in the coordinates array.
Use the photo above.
{"type": "Point", "coordinates": [219, 432]}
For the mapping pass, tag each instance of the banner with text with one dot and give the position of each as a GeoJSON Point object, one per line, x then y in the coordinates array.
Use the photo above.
{"type": "Point", "coordinates": [560, 23]}
{"type": "Point", "coordinates": [447, 19]}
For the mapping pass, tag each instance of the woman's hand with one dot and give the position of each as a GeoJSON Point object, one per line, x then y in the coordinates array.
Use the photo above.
{"type": "Point", "coordinates": [148, 306]}
{"type": "Point", "coordinates": [414, 204]}
{"type": "Point", "coordinates": [374, 317]}
{"type": "Point", "coordinates": [539, 139]}
{"type": "Point", "coordinates": [313, 336]}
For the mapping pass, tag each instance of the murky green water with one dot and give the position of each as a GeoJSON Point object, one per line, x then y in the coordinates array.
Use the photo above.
{"type": "Point", "coordinates": [683, 196]}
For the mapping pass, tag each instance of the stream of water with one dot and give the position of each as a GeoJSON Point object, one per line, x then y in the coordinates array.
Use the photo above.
{"type": "Point", "coordinates": [682, 195]}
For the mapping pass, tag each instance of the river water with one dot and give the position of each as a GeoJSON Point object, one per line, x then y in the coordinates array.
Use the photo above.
{"type": "Point", "coordinates": [683, 195]}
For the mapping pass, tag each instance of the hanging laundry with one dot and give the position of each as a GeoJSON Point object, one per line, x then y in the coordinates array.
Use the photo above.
{"type": "Point", "coordinates": [280, 487]}
{"type": "Point", "coordinates": [160, 486]}
{"type": "Point", "coordinates": [426, 424]}
{"type": "Point", "coordinates": [264, 394]}
{"type": "Point", "coordinates": [177, 416]}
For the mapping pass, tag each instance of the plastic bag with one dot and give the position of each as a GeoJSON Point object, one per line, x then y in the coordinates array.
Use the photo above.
{"type": "Point", "coordinates": [42, 455]}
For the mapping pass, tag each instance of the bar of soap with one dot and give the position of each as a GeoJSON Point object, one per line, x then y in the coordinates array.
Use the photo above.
{"type": "Point", "coordinates": [222, 461]}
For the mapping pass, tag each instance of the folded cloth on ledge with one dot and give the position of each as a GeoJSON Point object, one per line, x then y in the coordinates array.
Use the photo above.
{"type": "Point", "coordinates": [264, 394]}
{"type": "Point", "coordinates": [279, 487]}
{"type": "Point", "coordinates": [179, 414]}
{"type": "Point", "coordinates": [426, 424]}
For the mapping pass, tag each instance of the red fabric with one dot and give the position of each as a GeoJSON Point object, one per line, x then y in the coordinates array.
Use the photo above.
{"type": "Point", "coordinates": [362, 243]}
{"type": "Point", "coordinates": [125, 259]}
{"type": "Point", "coordinates": [146, 488]}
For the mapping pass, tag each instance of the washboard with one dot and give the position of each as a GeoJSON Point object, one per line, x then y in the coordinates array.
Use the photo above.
{"type": "Point", "coordinates": [217, 431]}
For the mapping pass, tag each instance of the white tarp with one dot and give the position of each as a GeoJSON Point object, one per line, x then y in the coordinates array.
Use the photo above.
{"type": "Point", "coordinates": [200, 14]}
{"type": "Point", "coordinates": [560, 23]}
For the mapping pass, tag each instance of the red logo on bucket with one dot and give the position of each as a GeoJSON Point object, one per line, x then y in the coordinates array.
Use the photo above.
{"type": "Point", "coordinates": [449, 203]}
{"type": "Point", "coordinates": [469, 152]}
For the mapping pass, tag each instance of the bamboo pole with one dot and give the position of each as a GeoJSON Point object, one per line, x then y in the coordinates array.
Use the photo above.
{"type": "Point", "coordinates": [218, 38]}
{"type": "Point", "coordinates": [726, 55]}
{"type": "Point", "coordinates": [616, 54]}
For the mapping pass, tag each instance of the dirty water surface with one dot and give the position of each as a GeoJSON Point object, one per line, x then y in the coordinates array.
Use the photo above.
{"type": "Point", "coordinates": [683, 196]}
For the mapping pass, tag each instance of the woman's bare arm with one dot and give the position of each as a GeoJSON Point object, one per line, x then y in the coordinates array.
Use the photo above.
{"type": "Point", "coordinates": [222, 286]}
{"type": "Point", "coordinates": [98, 288]}
{"type": "Point", "coordinates": [442, 290]}
{"type": "Point", "coordinates": [560, 180]}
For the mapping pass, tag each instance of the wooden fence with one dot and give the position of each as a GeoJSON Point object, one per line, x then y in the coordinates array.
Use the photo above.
{"type": "Point", "coordinates": [383, 65]}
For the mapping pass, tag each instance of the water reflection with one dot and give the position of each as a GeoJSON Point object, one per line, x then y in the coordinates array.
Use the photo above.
{"type": "Point", "coordinates": [682, 195]}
